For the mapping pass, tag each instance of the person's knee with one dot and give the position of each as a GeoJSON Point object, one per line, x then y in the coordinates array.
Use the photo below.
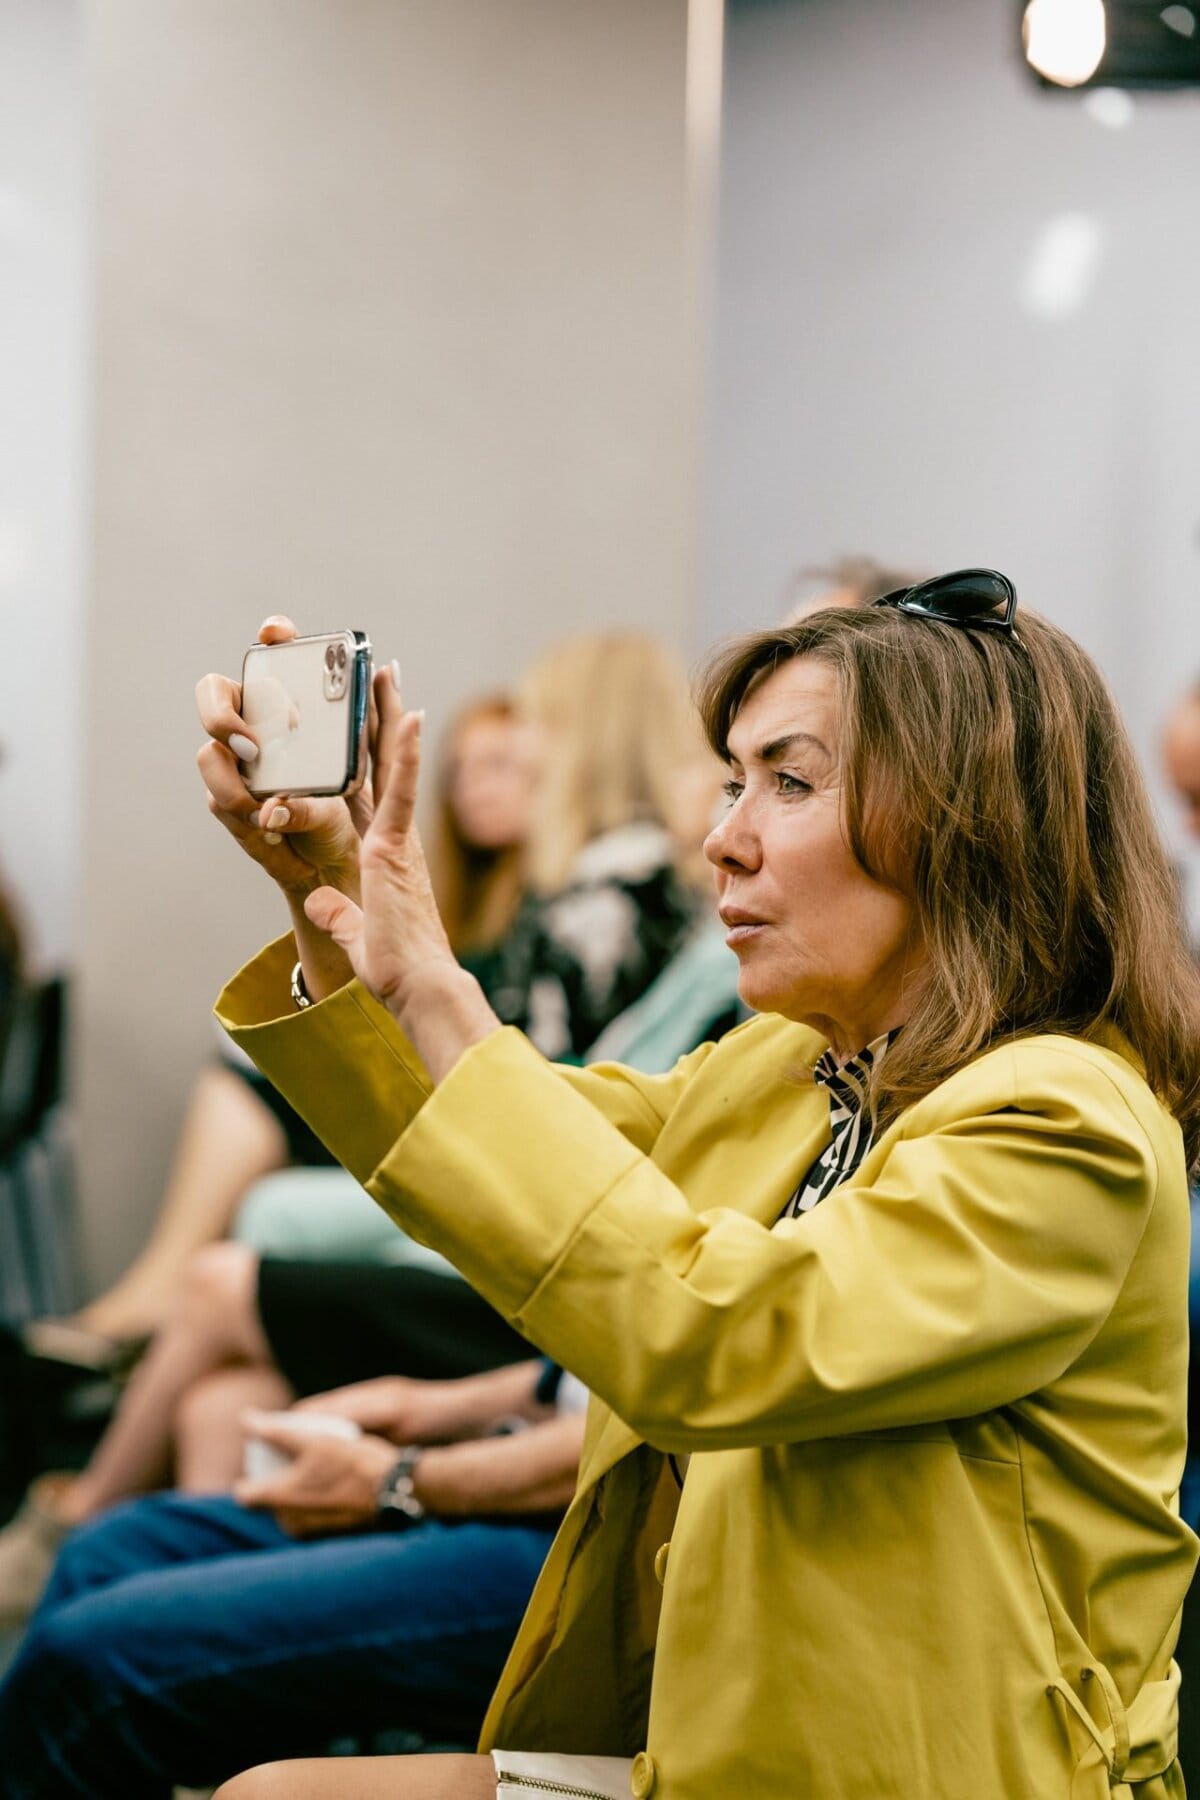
{"type": "Point", "coordinates": [220, 1285]}
{"type": "Point", "coordinates": [270, 1781]}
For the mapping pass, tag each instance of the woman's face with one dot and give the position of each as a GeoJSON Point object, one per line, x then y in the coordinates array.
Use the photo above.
{"type": "Point", "coordinates": [492, 777]}
{"type": "Point", "coordinates": [818, 940]}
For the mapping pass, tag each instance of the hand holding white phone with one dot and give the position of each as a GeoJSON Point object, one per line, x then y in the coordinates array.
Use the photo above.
{"type": "Point", "coordinates": [305, 702]}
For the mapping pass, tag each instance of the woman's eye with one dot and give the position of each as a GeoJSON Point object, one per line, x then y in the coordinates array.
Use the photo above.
{"type": "Point", "coordinates": [732, 790]}
{"type": "Point", "coordinates": [792, 784]}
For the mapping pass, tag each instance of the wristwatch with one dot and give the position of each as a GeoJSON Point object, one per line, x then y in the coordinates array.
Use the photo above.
{"type": "Point", "coordinates": [396, 1489]}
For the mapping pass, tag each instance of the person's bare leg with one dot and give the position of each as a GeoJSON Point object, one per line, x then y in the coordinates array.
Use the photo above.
{"type": "Point", "coordinates": [215, 1323]}
{"type": "Point", "coordinates": [229, 1140]}
{"type": "Point", "coordinates": [209, 1438]}
{"type": "Point", "coordinates": [367, 1778]}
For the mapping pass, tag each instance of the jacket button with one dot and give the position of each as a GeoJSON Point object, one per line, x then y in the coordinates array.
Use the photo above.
{"type": "Point", "coordinates": [660, 1562]}
{"type": "Point", "coordinates": [642, 1776]}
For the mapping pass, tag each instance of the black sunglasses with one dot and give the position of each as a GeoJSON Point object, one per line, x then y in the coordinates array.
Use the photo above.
{"type": "Point", "coordinates": [978, 599]}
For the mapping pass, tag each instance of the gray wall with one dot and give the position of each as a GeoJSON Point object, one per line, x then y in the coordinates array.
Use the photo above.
{"type": "Point", "coordinates": [391, 331]}
{"type": "Point", "coordinates": [885, 381]}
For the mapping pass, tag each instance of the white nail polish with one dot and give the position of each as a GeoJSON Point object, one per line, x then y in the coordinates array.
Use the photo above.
{"type": "Point", "coordinates": [279, 816]}
{"type": "Point", "coordinates": [244, 748]}
{"type": "Point", "coordinates": [272, 837]}
{"type": "Point", "coordinates": [395, 675]}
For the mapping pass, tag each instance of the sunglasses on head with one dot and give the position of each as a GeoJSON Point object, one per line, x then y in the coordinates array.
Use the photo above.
{"type": "Point", "coordinates": [977, 599]}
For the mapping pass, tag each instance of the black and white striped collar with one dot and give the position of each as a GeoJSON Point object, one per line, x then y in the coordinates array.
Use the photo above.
{"type": "Point", "coordinates": [851, 1125]}
{"type": "Point", "coordinates": [848, 1083]}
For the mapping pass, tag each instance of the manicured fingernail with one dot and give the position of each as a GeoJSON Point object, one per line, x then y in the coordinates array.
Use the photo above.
{"type": "Point", "coordinates": [255, 819]}
{"type": "Point", "coordinates": [272, 837]}
{"type": "Point", "coordinates": [395, 675]}
{"type": "Point", "coordinates": [244, 748]}
{"type": "Point", "coordinates": [279, 816]}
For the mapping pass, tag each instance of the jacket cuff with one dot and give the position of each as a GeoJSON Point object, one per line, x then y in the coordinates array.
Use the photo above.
{"type": "Point", "coordinates": [342, 1063]}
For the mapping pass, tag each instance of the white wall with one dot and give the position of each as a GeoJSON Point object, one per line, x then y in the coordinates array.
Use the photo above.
{"type": "Point", "coordinates": [392, 330]}
{"type": "Point", "coordinates": [41, 477]}
{"type": "Point", "coordinates": [881, 386]}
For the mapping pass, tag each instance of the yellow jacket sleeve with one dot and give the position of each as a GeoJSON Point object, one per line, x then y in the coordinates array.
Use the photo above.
{"type": "Point", "coordinates": [971, 1261]}
{"type": "Point", "coordinates": [627, 1224]}
{"type": "Point", "coordinates": [371, 1080]}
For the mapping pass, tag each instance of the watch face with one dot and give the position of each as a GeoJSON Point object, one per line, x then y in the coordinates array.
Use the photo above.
{"type": "Point", "coordinates": [396, 1493]}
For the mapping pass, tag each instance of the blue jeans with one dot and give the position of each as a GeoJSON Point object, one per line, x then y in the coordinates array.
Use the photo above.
{"type": "Point", "coordinates": [1189, 1499]}
{"type": "Point", "coordinates": [181, 1640]}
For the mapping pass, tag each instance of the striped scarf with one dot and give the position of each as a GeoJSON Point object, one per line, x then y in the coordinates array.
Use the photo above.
{"type": "Point", "coordinates": [847, 1085]}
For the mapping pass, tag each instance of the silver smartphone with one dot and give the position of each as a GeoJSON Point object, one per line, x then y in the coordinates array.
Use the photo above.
{"type": "Point", "coordinates": [306, 704]}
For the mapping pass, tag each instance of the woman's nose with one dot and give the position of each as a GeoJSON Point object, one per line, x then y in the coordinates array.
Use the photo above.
{"type": "Point", "coordinates": [732, 843]}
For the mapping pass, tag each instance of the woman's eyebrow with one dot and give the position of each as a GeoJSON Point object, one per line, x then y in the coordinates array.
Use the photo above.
{"type": "Point", "coordinates": [779, 747]}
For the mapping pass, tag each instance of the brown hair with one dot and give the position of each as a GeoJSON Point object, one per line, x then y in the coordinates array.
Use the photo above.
{"type": "Point", "coordinates": [478, 890]}
{"type": "Point", "coordinates": [992, 781]}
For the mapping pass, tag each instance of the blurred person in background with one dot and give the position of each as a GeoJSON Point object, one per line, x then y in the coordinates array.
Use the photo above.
{"type": "Point", "coordinates": [368, 1584]}
{"type": "Point", "coordinates": [236, 1128]}
{"type": "Point", "coordinates": [1181, 755]}
{"type": "Point", "coordinates": [848, 581]}
{"type": "Point", "coordinates": [200, 1295]}
{"type": "Point", "coordinates": [612, 870]}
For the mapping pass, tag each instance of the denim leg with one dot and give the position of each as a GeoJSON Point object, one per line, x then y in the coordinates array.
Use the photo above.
{"type": "Point", "coordinates": [184, 1668]}
{"type": "Point", "coordinates": [1189, 1499]}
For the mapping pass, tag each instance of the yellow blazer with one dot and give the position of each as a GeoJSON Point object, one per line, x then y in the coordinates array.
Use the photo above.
{"type": "Point", "coordinates": [929, 1542]}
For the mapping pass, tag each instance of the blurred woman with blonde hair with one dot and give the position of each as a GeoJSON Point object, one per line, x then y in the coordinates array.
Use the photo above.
{"type": "Point", "coordinates": [614, 844]}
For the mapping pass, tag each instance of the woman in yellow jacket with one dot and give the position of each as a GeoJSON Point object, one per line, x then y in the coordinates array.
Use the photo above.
{"type": "Point", "coordinates": [882, 1300]}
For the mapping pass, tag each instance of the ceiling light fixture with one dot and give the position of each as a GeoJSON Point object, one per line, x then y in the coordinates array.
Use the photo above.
{"type": "Point", "coordinates": [1065, 39]}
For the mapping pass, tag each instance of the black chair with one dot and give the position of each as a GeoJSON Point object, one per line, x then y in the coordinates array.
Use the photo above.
{"type": "Point", "coordinates": [37, 1222]}
{"type": "Point", "coordinates": [37, 1200]}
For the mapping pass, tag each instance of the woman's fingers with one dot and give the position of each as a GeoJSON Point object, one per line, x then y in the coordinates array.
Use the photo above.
{"type": "Point", "coordinates": [277, 629]}
{"type": "Point", "coordinates": [220, 774]}
{"type": "Point", "coordinates": [397, 759]}
{"type": "Point", "coordinates": [273, 853]}
{"type": "Point", "coordinates": [361, 807]}
{"type": "Point", "coordinates": [289, 813]}
{"type": "Point", "coordinates": [331, 912]}
{"type": "Point", "coordinates": [218, 701]}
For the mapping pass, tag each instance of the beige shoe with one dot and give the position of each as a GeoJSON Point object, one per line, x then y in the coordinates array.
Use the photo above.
{"type": "Point", "coordinates": [28, 1547]}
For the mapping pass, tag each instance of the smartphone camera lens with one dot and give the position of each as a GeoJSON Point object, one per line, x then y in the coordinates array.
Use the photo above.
{"type": "Point", "coordinates": [330, 656]}
{"type": "Point", "coordinates": [341, 656]}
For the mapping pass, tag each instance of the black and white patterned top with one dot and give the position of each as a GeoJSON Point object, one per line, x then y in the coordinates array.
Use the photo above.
{"type": "Point", "coordinates": [573, 961]}
{"type": "Point", "coordinates": [848, 1086]}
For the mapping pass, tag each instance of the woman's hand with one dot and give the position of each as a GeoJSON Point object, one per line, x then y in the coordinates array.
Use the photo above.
{"type": "Point", "coordinates": [393, 1406]}
{"type": "Point", "coordinates": [330, 1485]}
{"type": "Point", "coordinates": [395, 941]}
{"type": "Point", "coordinates": [302, 843]}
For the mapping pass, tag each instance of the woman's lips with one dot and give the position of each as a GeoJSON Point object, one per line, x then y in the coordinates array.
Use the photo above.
{"type": "Point", "coordinates": [740, 928]}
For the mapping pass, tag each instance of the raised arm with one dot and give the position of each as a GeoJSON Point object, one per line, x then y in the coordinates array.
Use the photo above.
{"type": "Point", "coordinates": [973, 1268]}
